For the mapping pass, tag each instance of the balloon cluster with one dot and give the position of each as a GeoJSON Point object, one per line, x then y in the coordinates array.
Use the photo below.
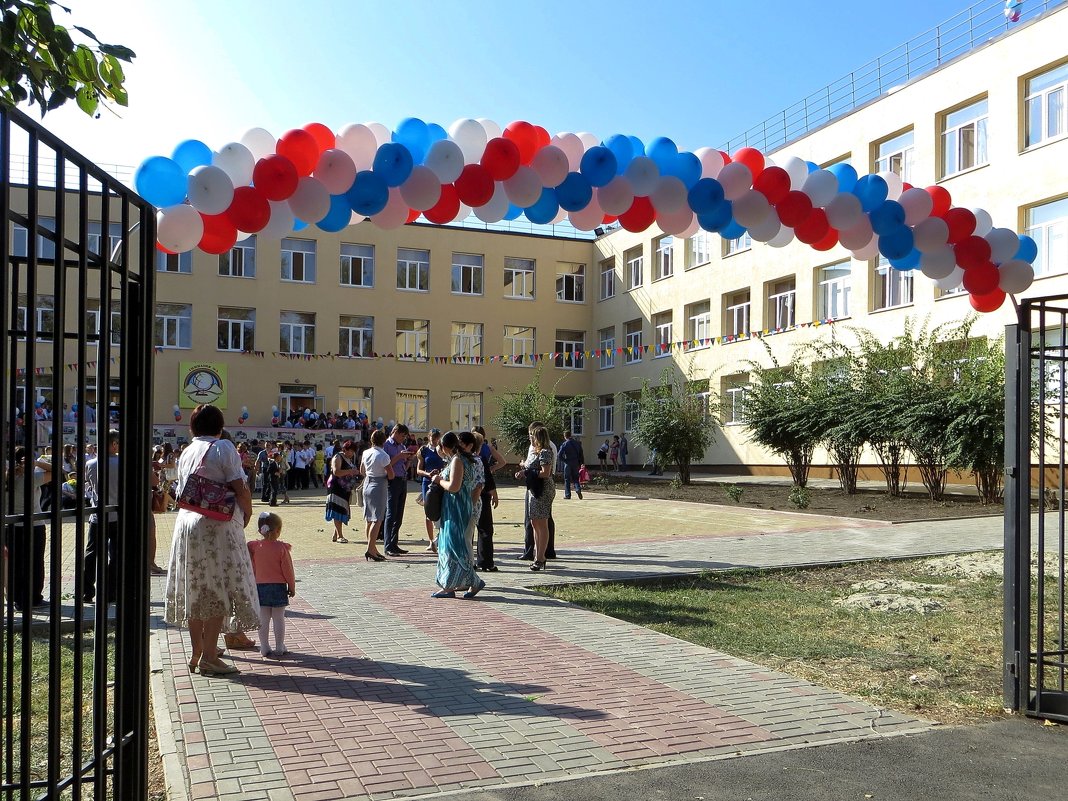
{"type": "Point", "coordinates": [275, 417]}
{"type": "Point", "coordinates": [243, 416]}
{"type": "Point", "coordinates": [177, 414]}
{"type": "Point", "coordinates": [210, 199]}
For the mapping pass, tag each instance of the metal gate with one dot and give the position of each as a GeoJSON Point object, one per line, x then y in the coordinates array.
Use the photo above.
{"type": "Point", "coordinates": [1036, 657]}
{"type": "Point", "coordinates": [76, 319]}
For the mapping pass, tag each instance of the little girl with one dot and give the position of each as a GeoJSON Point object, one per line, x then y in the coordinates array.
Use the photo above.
{"type": "Point", "coordinates": [274, 580]}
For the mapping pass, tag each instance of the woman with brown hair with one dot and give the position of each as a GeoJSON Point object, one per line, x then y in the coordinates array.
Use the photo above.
{"type": "Point", "coordinates": [344, 475]}
{"type": "Point", "coordinates": [538, 472]}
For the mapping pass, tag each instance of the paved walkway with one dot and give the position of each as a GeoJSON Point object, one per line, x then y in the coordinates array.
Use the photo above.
{"type": "Point", "coordinates": [387, 693]}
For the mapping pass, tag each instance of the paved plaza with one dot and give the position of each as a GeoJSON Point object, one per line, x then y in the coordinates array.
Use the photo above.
{"type": "Point", "coordinates": [388, 693]}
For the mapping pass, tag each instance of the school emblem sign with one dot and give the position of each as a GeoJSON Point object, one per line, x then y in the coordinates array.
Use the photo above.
{"type": "Point", "coordinates": [201, 382]}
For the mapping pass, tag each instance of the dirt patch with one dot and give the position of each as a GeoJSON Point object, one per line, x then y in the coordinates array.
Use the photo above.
{"type": "Point", "coordinates": [890, 602]}
{"type": "Point", "coordinates": [899, 587]}
{"type": "Point", "coordinates": [970, 566]}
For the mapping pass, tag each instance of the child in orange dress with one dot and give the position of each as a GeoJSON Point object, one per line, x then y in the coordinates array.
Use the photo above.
{"type": "Point", "coordinates": [275, 581]}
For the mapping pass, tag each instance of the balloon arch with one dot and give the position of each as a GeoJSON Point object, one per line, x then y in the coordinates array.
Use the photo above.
{"type": "Point", "coordinates": [259, 185]}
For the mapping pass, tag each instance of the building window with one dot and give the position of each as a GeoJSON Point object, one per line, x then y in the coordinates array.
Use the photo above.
{"type": "Point", "coordinates": [570, 349]}
{"type": "Point", "coordinates": [174, 325]}
{"type": "Point", "coordinates": [896, 155]}
{"type": "Point", "coordinates": [606, 414]}
{"type": "Point", "coordinates": [298, 260]}
{"type": "Point", "coordinates": [240, 261]}
{"type": "Point", "coordinates": [413, 340]}
{"type": "Point", "coordinates": [573, 417]}
{"type": "Point", "coordinates": [413, 269]}
{"type": "Point", "coordinates": [465, 410]}
{"type": "Point", "coordinates": [662, 323]}
{"type": "Point", "coordinates": [413, 408]}
{"type": "Point", "coordinates": [44, 317]}
{"type": "Point", "coordinates": [665, 260]}
{"type": "Point", "coordinates": [356, 399]}
{"type": "Point", "coordinates": [519, 278]}
{"type": "Point", "coordinates": [114, 240]}
{"type": "Point", "coordinates": [518, 344]}
{"type": "Point", "coordinates": [467, 273]}
{"type": "Point", "coordinates": [608, 279]}
{"type": "Point", "coordinates": [832, 291]}
{"type": "Point", "coordinates": [174, 262]}
{"type": "Point", "coordinates": [357, 265]}
{"type": "Point", "coordinates": [356, 336]}
{"type": "Point", "coordinates": [632, 341]}
{"type": "Point", "coordinates": [1045, 104]}
{"type": "Point", "coordinates": [698, 324]}
{"type": "Point", "coordinates": [571, 282]}
{"type": "Point", "coordinates": [891, 287]}
{"type": "Point", "coordinates": [46, 248]}
{"type": "Point", "coordinates": [1047, 224]}
{"type": "Point", "coordinates": [964, 138]}
{"type": "Point", "coordinates": [782, 303]}
{"type": "Point", "coordinates": [733, 392]}
{"type": "Point", "coordinates": [736, 314]}
{"type": "Point", "coordinates": [635, 267]}
{"type": "Point", "coordinates": [297, 332]}
{"type": "Point", "coordinates": [698, 249]}
{"type": "Point", "coordinates": [739, 245]}
{"type": "Point", "coordinates": [630, 411]}
{"type": "Point", "coordinates": [92, 322]}
{"type": "Point", "coordinates": [237, 329]}
{"type": "Point", "coordinates": [607, 343]}
{"type": "Point", "coordinates": [467, 340]}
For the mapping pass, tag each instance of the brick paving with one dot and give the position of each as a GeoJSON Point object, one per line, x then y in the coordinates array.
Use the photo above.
{"type": "Point", "coordinates": [387, 693]}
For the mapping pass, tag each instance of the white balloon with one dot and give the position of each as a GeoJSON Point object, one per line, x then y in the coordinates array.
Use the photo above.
{"type": "Point", "coordinates": [844, 211]}
{"type": "Point", "coordinates": [281, 222]}
{"type": "Point", "coordinates": [797, 170]}
{"type": "Point", "coordinates": [236, 161]}
{"type": "Point", "coordinates": [446, 160]}
{"type": "Point", "coordinates": [243, 235]}
{"type": "Point", "coordinates": [493, 130]}
{"type": "Point", "coordinates": [311, 201]}
{"type": "Point", "coordinates": [259, 142]}
{"type": "Point", "coordinates": [752, 208]}
{"type": "Point", "coordinates": [561, 215]}
{"type": "Point", "coordinates": [893, 184]}
{"type": "Point", "coordinates": [692, 228]}
{"type": "Point", "coordinates": [766, 230]}
{"type": "Point", "coordinates": [588, 218]}
{"type": "Point", "coordinates": [1015, 276]}
{"type": "Point", "coordinates": [936, 264]}
{"type": "Point", "coordinates": [395, 214]}
{"type": "Point", "coordinates": [711, 161]}
{"type": "Point", "coordinates": [856, 236]}
{"type": "Point", "coordinates": [642, 174]}
{"type": "Point", "coordinates": [676, 222]}
{"type": "Point", "coordinates": [951, 281]}
{"type": "Point", "coordinates": [669, 195]}
{"type": "Point", "coordinates": [523, 188]}
{"type": "Point", "coordinates": [917, 205]}
{"type": "Point", "coordinates": [383, 135]}
{"type": "Point", "coordinates": [616, 196]}
{"type": "Point", "coordinates": [210, 190]}
{"type": "Point", "coordinates": [179, 228]}
{"type": "Point", "coordinates": [736, 179]}
{"type": "Point", "coordinates": [868, 251]}
{"type": "Point", "coordinates": [551, 165]}
{"type": "Point", "coordinates": [463, 213]}
{"type": "Point", "coordinates": [496, 207]}
{"type": "Point", "coordinates": [588, 140]}
{"type": "Point", "coordinates": [359, 142]}
{"type": "Point", "coordinates": [336, 171]}
{"type": "Point", "coordinates": [930, 234]}
{"type": "Point", "coordinates": [471, 138]}
{"type": "Point", "coordinates": [1003, 244]}
{"type": "Point", "coordinates": [783, 238]}
{"type": "Point", "coordinates": [983, 222]}
{"type": "Point", "coordinates": [422, 189]}
{"type": "Point", "coordinates": [572, 147]}
{"type": "Point", "coordinates": [821, 187]}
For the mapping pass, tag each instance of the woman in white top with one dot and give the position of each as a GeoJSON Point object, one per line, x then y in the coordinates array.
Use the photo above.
{"type": "Point", "coordinates": [378, 468]}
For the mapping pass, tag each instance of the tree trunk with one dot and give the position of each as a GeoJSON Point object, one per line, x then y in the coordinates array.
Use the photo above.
{"type": "Point", "coordinates": [684, 472]}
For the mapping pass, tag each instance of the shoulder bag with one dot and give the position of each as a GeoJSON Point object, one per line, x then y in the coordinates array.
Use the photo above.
{"type": "Point", "coordinates": [206, 497]}
{"type": "Point", "coordinates": [432, 502]}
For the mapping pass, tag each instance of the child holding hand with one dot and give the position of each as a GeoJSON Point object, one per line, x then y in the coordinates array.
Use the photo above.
{"type": "Point", "coordinates": [275, 580]}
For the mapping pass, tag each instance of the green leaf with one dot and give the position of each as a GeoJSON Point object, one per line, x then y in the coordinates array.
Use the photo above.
{"type": "Point", "coordinates": [120, 52]}
{"type": "Point", "coordinates": [87, 100]}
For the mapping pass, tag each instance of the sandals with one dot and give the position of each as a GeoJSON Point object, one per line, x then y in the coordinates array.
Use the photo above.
{"type": "Point", "coordinates": [342, 540]}
{"type": "Point", "coordinates": [443, 594]}
{"type": "Point", "coordinates": [221, 670]}
{"type": "Point", "coordinates": [238, 642]}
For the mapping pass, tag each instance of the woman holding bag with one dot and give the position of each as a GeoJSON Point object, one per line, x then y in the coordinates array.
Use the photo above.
{"type": "Point", "coordinates": [344, 475]}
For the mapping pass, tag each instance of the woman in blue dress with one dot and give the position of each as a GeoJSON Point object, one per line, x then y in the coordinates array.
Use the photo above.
{"type": "Point", "coordinates": [455, 568]}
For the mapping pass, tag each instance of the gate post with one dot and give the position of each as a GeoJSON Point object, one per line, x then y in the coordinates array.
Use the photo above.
{"type": "Point", "coordinates": [1017, 516]}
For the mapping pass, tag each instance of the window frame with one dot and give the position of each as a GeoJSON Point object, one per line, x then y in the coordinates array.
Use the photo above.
{"type": "Point", "coordinates": [698, 324]}
{"type": "Point", "coordinates": [1044, 95]}
{"type": "Point", "coordinates": [364, 335]}
{"type": "Point", "coordinates": [511, 340]}
{"type": "Point", "coordinates": [907, 154]}
{"type": "Point", "coordinates": [904, 277]}
{"type": "Point", "coordinates": [634, 272]}
{"type": "Point", "coordinates": [665, 257]}
{"type": "Point", "coordinates": [415, 401]}
{"type": "Point", "coordinates": [632, 348]}
{"type": "Point", "coordinates": [308, 258]}
{"type": "Point", "coordinates": [663, 333]}
{"type": "Point", "coordinates": [467, 345]}
{"type": "Point", "coordinates": [182, 320]}
{"type": "Point", "coordinates": [1051, 232]}
{"type": "Point", "coordinates": [468, 273]}
{"type": "Point", "coordinates": [780, 301]}
{"type": "Point", "coordinates": [421, 270]}
{"type": "Point", "coordinates": [346, 262]}
{"type": "Point", "coordinates": [981, 129]}
{"type": "Point", "coordinates": [247, 328]}
{"type": "Point", "coordinates": [607, 359]}
{"type": "Point", "coordinates": [575, 347]}
{"type": "Point", "coordinates": [825, 290]}
{"type": "Point", "coordinates": [305, 330]}
{"type": "Point", "coordinates": [575, 280]}
{"type": "Point", "coordinates": [732, 310]}
{"type": "Point", "coordinates": [245, 246]}
{"type": "Point", "coordinates": [417, 335]}
{"type": "Point", "coordinates": [606, 412]}
{"type": "Point", "coordinates": [513, 268]}
{"type": "Point", "coordinates": [459, 407]}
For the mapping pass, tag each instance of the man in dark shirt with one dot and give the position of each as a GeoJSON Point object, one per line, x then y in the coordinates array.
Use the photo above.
{"type": "Point", "coordinates": [397, 489]}
{"type": "Point", "coordinates": [570, 454]}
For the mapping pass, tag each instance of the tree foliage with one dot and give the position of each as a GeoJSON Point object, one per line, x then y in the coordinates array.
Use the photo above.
{"type": "Point", "coordinates": [676, 419]}
{"type": "Point", "coordinates": [42, 63]}
{"type": "Point", "coordinates": [517, 410]}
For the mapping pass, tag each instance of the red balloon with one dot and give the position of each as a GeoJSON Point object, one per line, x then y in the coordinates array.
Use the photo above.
{"type": "Point", "coordinates": [525, 137]}
{"type": "Point", "coordinates": [447, 207]}
{"type": "Point", "coordinates": [828, 242]}
{"type": "Point", "coordinates": [474, 187]}
{"type": "Point", "coordinates": [543, 136]}
{"type": "Point", "coordinates": [609, 218]}
{"type": "Point", "coordinates": [249, 210]}
{"type": "Point", "coordinates": [299, 147]}
{"type": "Point", "coordinates": [413, 215]}
{"type": "Point", "coordinates": [773, 183]}
{"type": "Point", "coordinates": [972, 251]}
{"type": "Point", "coordinates": [988, 301]}
{"type": "Point", "coordinates": [726, 156]}
{"type": "Point", "coordinates": [323, 136]}
{"type": "Point", "coordinates": [751, 158]}
{"type": "Point", "coordinates": [941, 198]}
{"type": "Point", "coordinates": [814, 228]}
{"type": "Point", "coordinates": [276, 177]}
{"type": "Point", "coordinates": [219, 234]}
{"type": "Point", "coordinates": [981, 280]}
{"type": "Point", "coordinates": [906, 186]}
{"type": "Point", "coordinates": [501, 158]}
{"type": "Point", "coordinates": [639, 216]}
{"type": "Point", "coordinates": [961, 224]}
{"type": "Point", "coordinates": [794, 208]}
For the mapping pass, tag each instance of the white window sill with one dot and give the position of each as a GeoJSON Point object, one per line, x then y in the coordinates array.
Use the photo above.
{"type": "Point", "coordinates": [518, 297]}
{"type": "Point", "coordinates": [602, 300]}
{"type": "Point", "coordinates": [728, 254]}
{"type": "Point", "coordinates": [468, 294]}
{"type": "Point", "coordinates": [698, 347]}
{"type": "Point", "coordinates": [965, 171]}
{"type": "Point", "coordinates": [175, 272]}
{"type": "Point", "coordinates": [573, 302]}
{"type": "Point", "coordinates": [246, 277]}
{"type": "Point", "coordinates": [662, 355]}
{"type": "Point", "coordinates": [695, 266]}
{"type": "Point", "coordinates": [358, 286]}
{"type": "Point", "coordinates": [406, 289]}
{"type": "Point", "coordinates": [158, 347]}
{"type": "Point", "coordinates": [296, 281]}
{"type": "Point", "coordinates": [663, 278]}
{"type": "Point", "coordinates": [893, 308]}
{"type": "Point", "coordinates": [1039, 145]}
{"type": "Point", "coordinates": [606, 367]}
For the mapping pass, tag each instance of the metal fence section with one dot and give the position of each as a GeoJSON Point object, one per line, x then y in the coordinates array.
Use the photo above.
{"type": "Point", "coordinates": [1036, 658]}
{"type": "Point", "coordinates": [76, 320]}
{"type": "Point", "coordinates": [966, 30]}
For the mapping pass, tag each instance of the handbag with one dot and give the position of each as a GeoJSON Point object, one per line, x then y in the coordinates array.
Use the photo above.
{"type": "Point", "coordinates": [432, 503]}
{"type": "Point", "coordinates": [206, 497]}
{"type": "Point", "coordinates": [159, 501]}
{"type": "Point", "coordinates": [358, 493]}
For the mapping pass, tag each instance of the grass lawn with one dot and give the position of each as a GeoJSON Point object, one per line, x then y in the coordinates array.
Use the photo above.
{"type": "Point", "coordinates": [944, 665]}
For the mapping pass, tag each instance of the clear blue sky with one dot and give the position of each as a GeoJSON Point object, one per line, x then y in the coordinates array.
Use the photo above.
{"type": "Point", "coordinates": [698, 72]}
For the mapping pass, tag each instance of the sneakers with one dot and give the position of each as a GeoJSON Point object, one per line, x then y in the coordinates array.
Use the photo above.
{"type": "Point", "coordinates": [579, 493]}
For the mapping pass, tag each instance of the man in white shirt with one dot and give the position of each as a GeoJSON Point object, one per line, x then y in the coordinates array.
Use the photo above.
{"type": "Point", "coordinates": [528, 539]}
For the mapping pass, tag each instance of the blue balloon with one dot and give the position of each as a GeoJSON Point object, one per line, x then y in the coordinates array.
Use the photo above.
{"type": "Point", "coordinates": [412, 132]}
{"type": "Point", "coordinates": [300, 225]}
{"type": "Point", "coordinates": [897, 244]}
{"type": "Point", "coordinates": [888, 216]}
{"type": "Point", "coordinates": [812, 166]}
{"type": "Point", "coordinates": [662, 151]}
{"type": "Point", "coordinates": [871, 191]}
{"type": "Point", "coordinates": [436, 133]}
{"type": "Point", "coordinates": [622, 148]}
{"type": "Point", "coordinates": [909, 262]}
{"type": "Point", "coordinates": [513, 212]}
{"type": "Point", "coordinates": [734, 230]}
{"type": "Point", "coordinates": [339, 215]}
{"type": "Point", "coordinates": [705, 195]}
{"type": "Point", "coordinates": [718, 217]}
{"type": "Point", "coordinates": [1028, 249]}
{"type": "Point", "coordinates": [846, 175]}
{"type": "Point", "coordinates": [393, 164]}
{"type": "Point", "coordinates": [575, 192]}
{"type": "Point", "coordinates": [192, 153]}
{"type": "Point", "coordinates": [368, 194]}
{"type": "Point", "coordinates": [160, 181]}
{"type": "Point", "coordinates": [598, 167]}
{"type": "Point", "coordinates": [686, 167]}
{"type": "Point", "coordinates": [637, 145]}
{"type": "Point", "coordinates": [544, 209]}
